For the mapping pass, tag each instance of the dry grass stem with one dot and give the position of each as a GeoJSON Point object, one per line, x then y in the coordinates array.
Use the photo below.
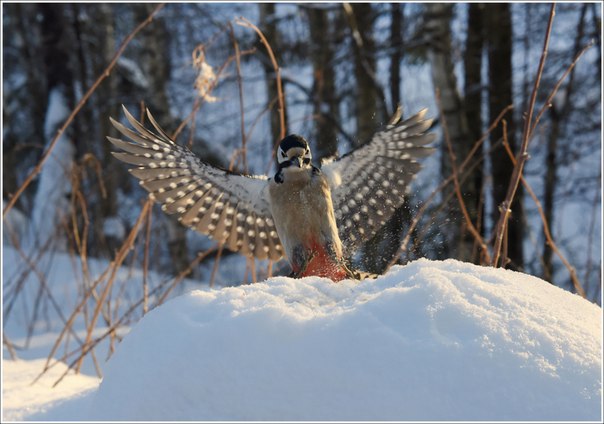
{"type": "Point", "coordinates": [281, 101]}
{"type": "Point", "coordinates": [240, 89]}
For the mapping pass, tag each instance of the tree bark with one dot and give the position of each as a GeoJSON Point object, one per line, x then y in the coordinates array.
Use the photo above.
{"type": "Point", "coordinates": [51, 205]}
{"type": "Point", "coordinates": [457, 243]}
{"type": "Point", "coordinates": [559, 114]}
{"type": "Point", "coordinates": [499, 37]}
{"type": "Point", "coordinates": [154, 59]}
{"type": "Point", "coordinates": [24, 59]}
{"type": "Point", "coordinates": [473, 106]}
{"type": "Point", "coordinates": [397, 15]}
{"type": "Point", "coordinates": [324, 96]}
{"type": "Point", "coordinates": [369, 115]}
{"type": "Point", "coordinates": [380, 250]}
{"type": "Point", "coordinates": [268, 26]}
{"type": "Point", "coordinates": [116, 174]}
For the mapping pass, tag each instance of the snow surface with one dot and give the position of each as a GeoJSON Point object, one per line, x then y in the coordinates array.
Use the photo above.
{"type": "Point", "coordinates": [427, 341]}
{"type": "Point", "coordinates": [21, 399]}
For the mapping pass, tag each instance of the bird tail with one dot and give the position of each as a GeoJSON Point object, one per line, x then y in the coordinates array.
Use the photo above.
{"type": "Point", "coordinates": [357, 274]}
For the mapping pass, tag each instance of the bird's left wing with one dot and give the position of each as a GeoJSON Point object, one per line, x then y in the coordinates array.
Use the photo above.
{"type": "Point", "coordinates": [231, 208]}
{"type": "Point", "coordinates": [369, 183]}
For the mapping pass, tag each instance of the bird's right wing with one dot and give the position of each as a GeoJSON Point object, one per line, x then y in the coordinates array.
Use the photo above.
{"type": "Point", "coordinates": [231, 208]}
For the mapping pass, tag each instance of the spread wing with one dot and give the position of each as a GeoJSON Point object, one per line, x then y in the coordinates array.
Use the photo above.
{"type": "Point", "coordinates": [369, 183]}
{"type": "Point", "coordinates": [231, 208]}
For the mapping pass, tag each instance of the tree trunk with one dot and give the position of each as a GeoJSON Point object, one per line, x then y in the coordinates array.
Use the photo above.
{"type": "Point", "coordinates": [397, 15]}
{"type": "Point", "coordinates": [93, 27]}
{"type": "Point", "coordinates": [364, 65]}
{"type": "Point", "coordinates": [369, 115]}
{"type": "Point", "coordinates": [154, 59]}
{"type": "Point", "coordinates": [473, 107]}
{"type": "Point", "coordinates": [51, 206]}
{"type": "Point", "coordinates": [499, 36]}
{"type": "Point", "coordinates": [380, 250]}
{"type": "Point", "coordinates": [324, 96]}
{"type": "Point", "coordinates": [268, 26]}
{"type": "Point", "coordinates": [116, 174]}
{"type": "Point", "coordinates": [458, 243]}
{"type": "Point", "coordinates": [23, 21]}
{"type": "Point", "coordinates": [559, 113]}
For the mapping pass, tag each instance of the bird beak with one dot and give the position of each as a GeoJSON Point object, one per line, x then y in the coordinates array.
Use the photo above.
{"type": "Point", "coordinates": [297, 161]}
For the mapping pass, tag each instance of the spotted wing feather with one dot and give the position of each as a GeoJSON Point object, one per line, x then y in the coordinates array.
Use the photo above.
{"type": "Point", "coordinates": [231, 208]}
{"type": "Point", "coordinates": [369, 183]}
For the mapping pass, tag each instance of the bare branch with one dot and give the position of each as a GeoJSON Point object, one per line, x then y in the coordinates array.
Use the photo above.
{"type": "Point", "coordinates": [424, 207]}
{"type": "Point", "coordinates": [281, 108]}
{"type": "Point", "coordinates": [504, 208]}
{"type": "Point", "coordinates": [550, 241]}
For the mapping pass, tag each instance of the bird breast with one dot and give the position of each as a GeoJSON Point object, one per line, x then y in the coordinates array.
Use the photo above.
{"type": "Point", "coordinates": [303, 211]}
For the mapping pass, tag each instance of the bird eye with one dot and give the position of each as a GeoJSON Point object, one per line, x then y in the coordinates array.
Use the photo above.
{"type": "Point", "coordinates": [306, 161]}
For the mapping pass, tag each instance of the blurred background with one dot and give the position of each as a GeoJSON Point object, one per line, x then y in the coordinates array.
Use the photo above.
{"type": "Point", "coordinates": [208, 79]}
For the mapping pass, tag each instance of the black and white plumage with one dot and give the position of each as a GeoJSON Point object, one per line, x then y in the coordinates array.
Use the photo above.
{"type": "Point", "coordinates": [249, 213]}
{"type": "Point", "coordinates": [369, 183]}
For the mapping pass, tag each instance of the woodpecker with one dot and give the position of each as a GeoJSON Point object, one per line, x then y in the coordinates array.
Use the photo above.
{"type": "Point", "coordinates": [303, 212]}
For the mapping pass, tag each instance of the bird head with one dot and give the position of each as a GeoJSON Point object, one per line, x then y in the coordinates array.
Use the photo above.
{"type": "Point", "coordinates": [294, 152]}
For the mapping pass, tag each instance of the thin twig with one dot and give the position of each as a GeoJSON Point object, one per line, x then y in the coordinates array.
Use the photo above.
{"type": "Point", "coordinates": [115, 265]}
{"type": "Point", "coordinates": [85, 349]}
{"type": "Point", "coordinates": [78, 198]}
{"type": "Point", "coordinates": [67, 327]}
{"type": "Point", "coordinates": [470, 225]}
{"type": "Point", "coordinates": [216, 264]}
{"type": "Point", "coordinates": [9, 346]}
{"type": "Point", "coordinates": [591, 233]}
{"type": "Point", "coordinates": [403, 246]}
{"type": "Point", "coordinates": [281, 108]}
{"type": "Point", "coordinates": [241, 108]}
{"type": "Point", "coordinates": [548, 101]}
{"type": "Point", "coordinates": [504, 208]}
{"type": "Point", "coordinates": [146, 261]}
{"type": "Point", "coordinates": [550, 241]}
{"type": "Point", "coordinates": [198, 104]}
{"type": "Point", "coordinates": [31, 263]}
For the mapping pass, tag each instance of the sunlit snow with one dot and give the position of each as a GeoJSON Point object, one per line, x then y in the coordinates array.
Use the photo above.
{"type": "Point", "coordinates": [427, 341]}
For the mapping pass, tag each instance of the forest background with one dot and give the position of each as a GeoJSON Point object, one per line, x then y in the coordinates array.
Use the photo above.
{"type": "Point", "coordinates": [229, 80]}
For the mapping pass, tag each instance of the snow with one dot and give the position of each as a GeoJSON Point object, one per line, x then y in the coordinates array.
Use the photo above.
{"type": "Point", "coordinates": [21, 399]}
{"type": "Point", "coordinates": [132, 72]}
{"type": "Point", "coordinates": [113, 226]}
{"type": "Point", "coordinates": [428, 341]}
{"type": "Point", "coordinates": [51, 202]}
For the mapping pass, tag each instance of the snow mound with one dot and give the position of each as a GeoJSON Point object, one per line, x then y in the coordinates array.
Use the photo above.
{"type": "Point", "coordinates": [428, 341]}
{"type": "Point", "coordinates": [22, 399]}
